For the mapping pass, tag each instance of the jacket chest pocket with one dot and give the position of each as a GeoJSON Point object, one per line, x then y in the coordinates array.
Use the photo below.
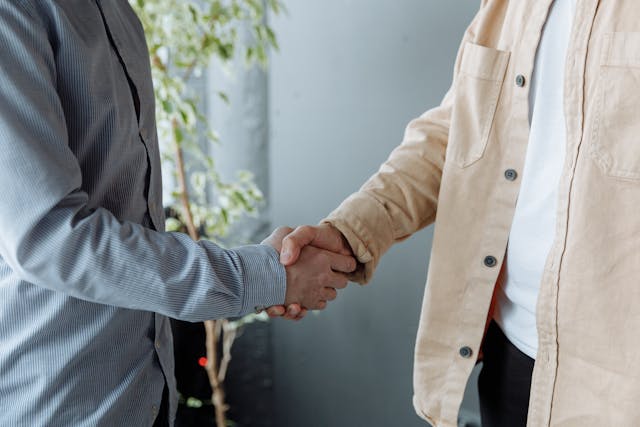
{"type": "Point", "coordinates": [615, 132]}
{"type": "Point", "coordinates": [477, 90]}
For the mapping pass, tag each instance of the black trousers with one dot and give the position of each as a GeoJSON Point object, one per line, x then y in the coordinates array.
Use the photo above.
{"type": "Point", "coordinates": [162, 420]}
{"type": "Point", "coordinates": [504, 382]}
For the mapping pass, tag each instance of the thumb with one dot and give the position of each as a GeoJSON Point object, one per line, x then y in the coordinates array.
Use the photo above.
{"type": "Point", "coordinates": [294, 242]}
{"type": "Point", "coordinates": [275, 239]}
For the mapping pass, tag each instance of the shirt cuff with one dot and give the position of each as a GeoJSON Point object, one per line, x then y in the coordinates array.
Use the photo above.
{"type": "Point", "coordinates": [265, 279]}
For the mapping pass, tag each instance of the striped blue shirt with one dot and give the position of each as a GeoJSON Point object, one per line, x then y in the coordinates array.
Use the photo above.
{"type": "Point", "coordinates": [87, 275]}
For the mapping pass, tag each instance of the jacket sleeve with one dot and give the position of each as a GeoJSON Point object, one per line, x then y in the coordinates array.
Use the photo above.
{"type": "Point", "coordinates": [50, 238]}
{"type": "Point", "coordinates": [402, 197]}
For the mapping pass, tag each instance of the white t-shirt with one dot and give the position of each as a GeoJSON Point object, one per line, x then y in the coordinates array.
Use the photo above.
{"type": "Point", "coordinates": [534, 224]}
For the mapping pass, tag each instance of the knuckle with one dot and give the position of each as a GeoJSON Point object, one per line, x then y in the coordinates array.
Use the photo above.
{"type": "Point", "coordinates": [306, 232]}
{"type": "Point", "coordinates": [288, 238]}
{"type": "Point", "coordinates": [304, 229]}
{"type": "Point", "coordinates": [342, 282]}
{"type": "Point", "coordinates": [283, 230]}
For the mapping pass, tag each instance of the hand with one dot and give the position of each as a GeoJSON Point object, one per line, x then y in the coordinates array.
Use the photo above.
{"type": "Point", "coordinates": [312, 281]}
{"type": "Point", "coordinates": [324, 236]}
{"type": "Point", "coordinates": [338, 263]}
{"type": "Point", "coordinates": [275, 239]}
{"type": "Point", "coordinates": [293, 311]}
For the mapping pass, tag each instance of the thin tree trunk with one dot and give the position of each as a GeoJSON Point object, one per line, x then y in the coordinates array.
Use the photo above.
{"type": "Point", "coordinates": [184, 190]}
{"type": "Point", "coordinates": [214, 329]}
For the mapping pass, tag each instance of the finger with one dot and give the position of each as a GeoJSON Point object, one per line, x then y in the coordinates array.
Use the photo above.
{"type": "Point", "coordinates": [338, 281]}
{"type": "Point", "coordinates": [275, 239]}
{"type": "Point", "coordinates": [294, 242]}
{"type": "Point", "coordinates": [330, 238]}
{"type": "Point", "coordinates": [341, 243]}
{"type": "Point", "coordinates": [329, 294]}
{"type": "Point", "coordinates": [323, 236]}
{"type": "Point", "coordinates": [293, 310]}
{"type": "Point", "coordinates": [320, 305]}
{"type": "Point", "coordinates": [302, 314]}
{"type": "Point", "coordinates": [276, 311]}
{"type": "Point", "coordinates": [342, 263]}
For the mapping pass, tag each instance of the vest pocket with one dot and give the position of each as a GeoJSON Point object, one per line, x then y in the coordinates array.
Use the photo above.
{"type": "Point", "coordinates": [477, 90]}
{"type": "Point", "coordinates": [615, 135]}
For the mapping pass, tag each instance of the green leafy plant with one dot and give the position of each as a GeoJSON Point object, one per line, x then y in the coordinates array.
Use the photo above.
{"type": "Point", "coordinates": [183, 36]}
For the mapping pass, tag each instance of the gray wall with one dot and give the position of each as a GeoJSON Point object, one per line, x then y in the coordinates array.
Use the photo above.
{"type": "Point", "coordinates": [349, 75]}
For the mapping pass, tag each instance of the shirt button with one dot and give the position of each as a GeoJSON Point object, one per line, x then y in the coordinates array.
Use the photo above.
{"type": "Point", "coordinates": [511, 175]}
{"type": "Point", "coordinates": [490, 261]}
{"type": "Point", "coordinates": [157, 344]}
{"type": "Point", "coordinates": [520, 80]}
{"type": "Point", "coordinates": [466, 352]}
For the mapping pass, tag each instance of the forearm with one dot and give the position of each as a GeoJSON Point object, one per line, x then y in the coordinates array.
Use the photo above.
{"type": "Point", "coordinates": [401, 198]}
{"type": "Point", "coordinates": [94, 257]}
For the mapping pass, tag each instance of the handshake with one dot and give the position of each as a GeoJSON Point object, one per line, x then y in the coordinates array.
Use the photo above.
{"type": "Point", "coordinates": [317, 260]}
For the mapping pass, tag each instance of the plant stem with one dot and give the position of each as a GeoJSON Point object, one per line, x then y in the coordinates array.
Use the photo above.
{"type": "Point", "coordinates": [184, 190]}
{"type": "Point", "coordinates": [214, 329]}
{"type": "Point", "coordinates": [230, 334]}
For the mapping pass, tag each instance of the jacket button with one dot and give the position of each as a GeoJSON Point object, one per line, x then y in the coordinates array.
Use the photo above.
{"type": "Point", "coordinates": [520, 80]}
{"type": "Point", "coordinates": [466, 352]}
{"type": "Point", "coordinates": [490, 261]}
{"type": "Point", "coordinates": [511, 175]}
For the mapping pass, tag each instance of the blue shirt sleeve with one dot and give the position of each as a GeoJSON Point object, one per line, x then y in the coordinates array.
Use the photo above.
{"type": "Point", "coordinates": [52, 238]}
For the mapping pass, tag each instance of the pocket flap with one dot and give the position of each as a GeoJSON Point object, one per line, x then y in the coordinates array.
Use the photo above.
{"type": "Point", "coordinates": [484, 62]}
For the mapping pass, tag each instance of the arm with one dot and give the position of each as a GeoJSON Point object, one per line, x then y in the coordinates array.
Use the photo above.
{"type": "Point", "coordinates": [52, 239]}
{"type": "Point", "coordinates": [401, 198]}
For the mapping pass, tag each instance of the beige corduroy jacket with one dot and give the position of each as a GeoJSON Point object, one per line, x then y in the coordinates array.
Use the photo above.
{"type": "Point", "coordinates": [459, 165]}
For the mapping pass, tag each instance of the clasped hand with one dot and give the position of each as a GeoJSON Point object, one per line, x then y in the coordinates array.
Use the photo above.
{"type": "Point", "coordinates": [317, 260]}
